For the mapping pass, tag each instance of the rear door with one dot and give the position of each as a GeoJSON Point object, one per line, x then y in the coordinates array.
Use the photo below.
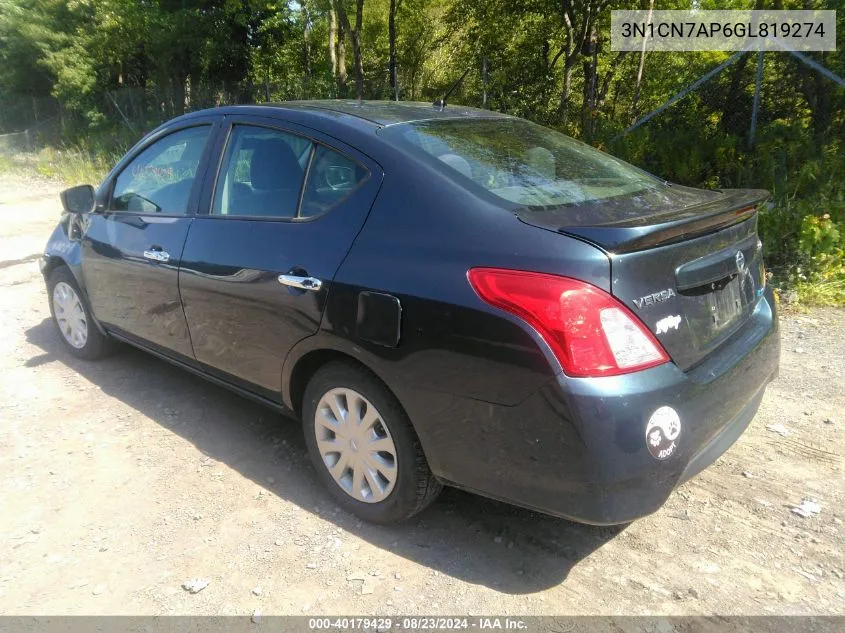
{"type": "Point", "coordinates": [132, 244]}
{"type": "Point", "coordinates": [259, 260]}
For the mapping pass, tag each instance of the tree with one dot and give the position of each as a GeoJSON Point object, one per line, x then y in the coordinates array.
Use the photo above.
{"type": "Point", "coordinates": [394, 84]}
{"type": "Point", "coordinates": [640, 68]}
{"type": "Point", "coordinates": [333, 42]}
{"type": "Point", "coordinates": [355, 36]}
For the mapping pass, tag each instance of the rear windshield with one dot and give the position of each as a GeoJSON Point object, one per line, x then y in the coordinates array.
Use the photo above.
{"type": "Point", "coordinates": [521, 162]}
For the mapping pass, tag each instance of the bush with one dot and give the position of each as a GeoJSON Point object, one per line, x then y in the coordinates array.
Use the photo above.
{"type": "Point", "coordinates": [802, 227]}
{"type": "Point", "coordinates": [804, 230]}
{"type": "Point", "coordinates": [820, 278]}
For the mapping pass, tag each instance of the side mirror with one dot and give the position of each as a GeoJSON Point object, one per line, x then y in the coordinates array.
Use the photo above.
{"type": "Point", "coordinates": [78, 200]}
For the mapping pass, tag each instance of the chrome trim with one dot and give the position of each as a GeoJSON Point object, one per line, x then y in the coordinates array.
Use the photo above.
{"type": "Point", "coordinates": [157, 256]}
{"type": "Point", "coordinates": [303, 283]}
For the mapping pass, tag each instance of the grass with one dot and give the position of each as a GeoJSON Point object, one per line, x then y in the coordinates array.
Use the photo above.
{"type": "Point", "coordinates": [74, 166]}
{"type": "Point", "coordinates": [6, 164]}
{"type": "Point", "coordinates": [828, 293]}
{"type": "Point", "coordinates": [70, 165]}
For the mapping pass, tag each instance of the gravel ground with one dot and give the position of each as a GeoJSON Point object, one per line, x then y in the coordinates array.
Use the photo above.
{"type": "Point", "coordinates": [123, 479]}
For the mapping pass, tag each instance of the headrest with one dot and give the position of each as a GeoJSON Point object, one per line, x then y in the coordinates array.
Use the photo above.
{"type": "Point", "coordinates": [274, 166]}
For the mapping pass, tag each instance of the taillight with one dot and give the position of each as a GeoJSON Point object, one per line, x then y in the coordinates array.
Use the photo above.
{"type": "Point", "coordinates": [590, 332]}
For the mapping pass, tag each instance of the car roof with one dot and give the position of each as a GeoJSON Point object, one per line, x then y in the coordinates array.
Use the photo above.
{"type": "Point", "coordinates": [379, 113]}
{"type": "Point", "coordinates": [392, 112]}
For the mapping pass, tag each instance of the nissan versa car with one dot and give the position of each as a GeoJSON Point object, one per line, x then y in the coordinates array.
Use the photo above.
{"type": "Point", "coordinates": [443, 296]}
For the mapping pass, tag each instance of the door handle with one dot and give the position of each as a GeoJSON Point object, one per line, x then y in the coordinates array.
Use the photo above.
{"type": "Point", "coordinates": [157, 255]}
{"type": "Point", "coordinates": [304, 283]}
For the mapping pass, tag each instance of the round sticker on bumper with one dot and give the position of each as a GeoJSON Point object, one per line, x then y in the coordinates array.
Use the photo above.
{"type": "Point", "coordinates": [662, 433]}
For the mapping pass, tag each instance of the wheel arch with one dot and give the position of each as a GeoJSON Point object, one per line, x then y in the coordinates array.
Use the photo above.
{"type": "Point", "coordinates": [52, 262]}
{"type": "Point", "coordinates": [314, 352]}
{"type": "Point", "coordinates": [61, 250]}
{"type": "Point", "coordinates": [307, 360]}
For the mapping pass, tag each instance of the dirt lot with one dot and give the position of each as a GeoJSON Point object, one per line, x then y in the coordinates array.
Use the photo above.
{"type": "Point", "coordinates": [122, 479]}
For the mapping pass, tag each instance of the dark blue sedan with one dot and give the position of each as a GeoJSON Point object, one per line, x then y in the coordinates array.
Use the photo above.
{"type": "Point", "coordinates": [443, 296]}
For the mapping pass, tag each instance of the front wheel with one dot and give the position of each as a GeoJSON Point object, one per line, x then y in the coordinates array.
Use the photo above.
{"type": "Point", "coordinates": [72, 317]}
{"type": "Point", "coordinates": [364, 447]}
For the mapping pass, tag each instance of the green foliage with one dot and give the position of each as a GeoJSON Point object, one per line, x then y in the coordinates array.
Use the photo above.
{"type": "Point", "coordinates": [821, 247]}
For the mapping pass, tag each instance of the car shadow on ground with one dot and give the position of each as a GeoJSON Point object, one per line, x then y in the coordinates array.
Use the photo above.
{"type": "Point", "coordinates": [465, 536]}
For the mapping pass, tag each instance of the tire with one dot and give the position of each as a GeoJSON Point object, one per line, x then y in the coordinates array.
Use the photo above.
{"type": "Point", "coordinates": [412, 488]}
{"type": "Point", "coordinates": [68, 301]}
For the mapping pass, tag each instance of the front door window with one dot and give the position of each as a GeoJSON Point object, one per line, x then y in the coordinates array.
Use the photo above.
{"type": "Point", "coordinates": [160, 178]}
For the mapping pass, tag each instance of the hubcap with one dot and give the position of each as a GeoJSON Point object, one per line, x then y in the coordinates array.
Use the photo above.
{"type": "Point", "coordinates": [355, 445]}
{"type": "Point", "coordinates": [70, 315]}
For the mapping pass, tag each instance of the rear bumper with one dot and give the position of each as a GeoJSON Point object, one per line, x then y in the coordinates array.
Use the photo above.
{"type": "Point", "coordinates": [578, 447]}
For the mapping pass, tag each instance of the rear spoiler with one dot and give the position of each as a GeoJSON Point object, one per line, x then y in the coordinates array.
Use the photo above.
{"type": "Point", "coordinates": [733, 207]}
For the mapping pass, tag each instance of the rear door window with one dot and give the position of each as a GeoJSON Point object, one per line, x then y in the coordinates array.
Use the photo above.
{"type": "Point", "coordinates": [262, 173]}
{"type": "Point", "coordinates": [275, 174]}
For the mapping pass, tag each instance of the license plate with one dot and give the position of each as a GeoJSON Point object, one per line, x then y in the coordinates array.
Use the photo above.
{"type": "Point", "coordinates": [726, 304]}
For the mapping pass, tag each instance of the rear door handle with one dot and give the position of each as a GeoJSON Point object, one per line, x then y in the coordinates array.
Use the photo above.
{"type": "Point", "coordinates": [157, 255]}
{"type": "Point", "coordinates": [304, 283]}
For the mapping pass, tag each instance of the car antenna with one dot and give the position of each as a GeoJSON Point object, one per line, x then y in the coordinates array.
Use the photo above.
{"type": "Point", "coordinates": [441, 103]}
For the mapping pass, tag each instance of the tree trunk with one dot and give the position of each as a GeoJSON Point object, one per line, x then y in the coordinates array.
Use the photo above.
{"type": "Point", "coordinates": [355, 35]}
{"type": "Point", "coordinates": [588, 105]}
{"type": "Point", "coordinates": [340, 77]}
{"type": "Point", "coordinates": [306, 52]}
{"type": "Point", "coordinates": [636, 102]}
{"type": "Point", "coordinates": [579, 20]}
{"type": "Point", "coordinates": [391, 34]}
{"type": "Point", "coordinates": [568, 67]}
{"type": "Point", "coordinates": [333, 41]}
{"type": "Point", "coordinates": [179, 94]}
{"type": "Point", "coordinates": [484, 81]}
{"type": "Point", "coordinates": [608, 78]}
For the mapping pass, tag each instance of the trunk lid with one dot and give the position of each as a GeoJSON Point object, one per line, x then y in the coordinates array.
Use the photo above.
{"type": "Point", "coordinates": [687, 262]}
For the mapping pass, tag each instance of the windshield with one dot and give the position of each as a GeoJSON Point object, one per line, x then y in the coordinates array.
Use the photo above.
{"type": "Point", "coordinates": [521, 162]}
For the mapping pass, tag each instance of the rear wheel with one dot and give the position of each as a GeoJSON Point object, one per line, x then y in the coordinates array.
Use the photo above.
{"type": "Point", "coordinates": [72, 317]}
{"type": "Point", "coordinates": [363, 446]}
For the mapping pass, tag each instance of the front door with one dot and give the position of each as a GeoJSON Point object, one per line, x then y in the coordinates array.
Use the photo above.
{"type": "Point", "coordinates": [133, 243]}
{"type": "Point", "coordinates": [258, 265]}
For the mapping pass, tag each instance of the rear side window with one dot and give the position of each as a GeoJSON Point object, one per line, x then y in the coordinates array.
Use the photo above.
{"type": "Point", "coordinates": [160, 178]}
{"type": "Point", "coordinates": [521, 162]}
{"type": "Point", "coordinates": [331, 178]}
